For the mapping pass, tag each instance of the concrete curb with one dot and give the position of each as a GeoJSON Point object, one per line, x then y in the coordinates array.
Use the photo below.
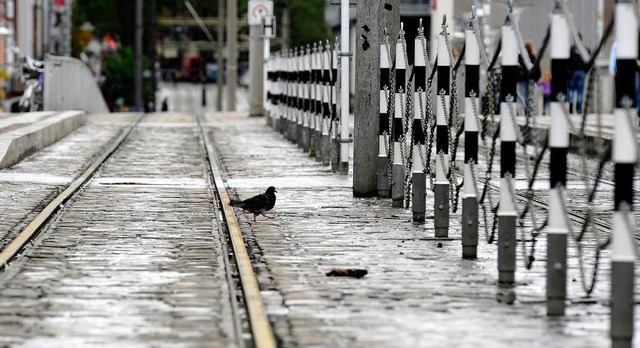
{"type": "Point", "coordinates": [20, 143]}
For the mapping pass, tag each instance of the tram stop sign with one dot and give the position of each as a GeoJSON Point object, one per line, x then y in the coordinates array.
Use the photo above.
{"type": "Point", "coordinates": [268, 27]}
{"type": "Point", "coordinates": [259, 9]}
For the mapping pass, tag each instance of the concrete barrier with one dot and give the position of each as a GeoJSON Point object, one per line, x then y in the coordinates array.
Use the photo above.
{"type": "Point", "coordinates": [19, 143]}
{"type": "Point", "coordinates": [70, 85]}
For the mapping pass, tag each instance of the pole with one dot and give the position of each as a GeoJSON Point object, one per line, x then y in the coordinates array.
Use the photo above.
{"type": "Point", "coordinates": [232, 60]}
{"type": "Point", "coordinates": [507, 212]}
{"type": "Point", "coordinates": [335, 138]}
{"type": "Point", "coordinates": [317, 100]}
{"type": "Point", "coordinates": [344, 92]}
{"type": "Point", "coordinates": [373, 17]}
{"type": "Point", "coordinates": [138, 56]}
{"type": "Point", "coordinates": [256, 66]}
{"type": "Point", "coordinates": [419, 177]}
{"type": "Point", "coordinates": [306, 96]}
{"type": "Point", "coordinates": [397, 170]}
{"type": "Point", "coordinates": [220, 55]}
{"type": "Point", "coordinates": [472, 109]}
{"type": "Point", "coordinates": [326, 103]}
{"type": "Point", "coordinates": [153, 55]}
{"type": "Point", "coordinates": [624, 156]}
{"type": "Point", "coordinates": [384, 189]}
{"type": "Point", "coordinates": [558, 145]}
{"type": "Point", "coordinates": [441, 187]}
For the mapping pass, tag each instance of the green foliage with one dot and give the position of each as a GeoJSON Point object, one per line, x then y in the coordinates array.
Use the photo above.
{"type": "Point", "coordinates": [307, 22]}
{"type": "Point", "coordinates": [119, 74]}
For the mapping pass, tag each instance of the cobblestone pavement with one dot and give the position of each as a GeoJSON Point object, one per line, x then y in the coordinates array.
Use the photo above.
{"type": "Point", "coordinates": [29, 185]}
{"type": "Point", "coordinates": [134, 260]}
{"type": "Point", "coordinates": [418, 291]}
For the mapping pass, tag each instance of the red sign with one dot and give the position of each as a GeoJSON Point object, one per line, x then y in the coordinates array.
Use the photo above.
{"type": "Point", "coordinates": [59, 3]}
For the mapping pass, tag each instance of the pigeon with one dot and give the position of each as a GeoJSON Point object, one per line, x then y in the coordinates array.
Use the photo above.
{"type": "Point", "coordinates": [258, 205]}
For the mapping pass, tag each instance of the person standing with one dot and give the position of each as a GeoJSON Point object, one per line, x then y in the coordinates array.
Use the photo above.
{"type": "Point", "coordinates": [577, 72]}
{"type": "Point", "coordinates": [525, 76]}
{"type": "Point", "coordinates": [545, 83]}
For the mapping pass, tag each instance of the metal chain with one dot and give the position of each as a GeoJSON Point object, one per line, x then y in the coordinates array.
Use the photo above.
{"type": "Point", "coordinates": [423, 123]}
{"type": "Point", "coordinates": [478, 35]}
{"type": "Point", "coordinates": [431, 120]}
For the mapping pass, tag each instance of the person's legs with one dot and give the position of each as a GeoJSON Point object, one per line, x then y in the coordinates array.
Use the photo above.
{"type": "Point", "coordinates": [572, 91]}
{"type": "Point", "coordinates": [579, 90]}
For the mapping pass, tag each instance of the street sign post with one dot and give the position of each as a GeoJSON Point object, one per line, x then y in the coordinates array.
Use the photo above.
{"type": "Point", "coordinates": [259, 9]}
{"type": "Point", "coordinates": [268, 26]}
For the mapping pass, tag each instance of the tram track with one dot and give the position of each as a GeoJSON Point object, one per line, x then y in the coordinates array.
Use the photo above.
{"type": "Point", "coordinates": [251, 326]}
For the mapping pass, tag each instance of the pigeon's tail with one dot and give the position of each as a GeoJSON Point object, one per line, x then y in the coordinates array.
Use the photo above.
{"type": "Point", "coordinates": [237, 203]}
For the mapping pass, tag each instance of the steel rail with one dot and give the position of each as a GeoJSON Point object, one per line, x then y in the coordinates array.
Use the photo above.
{"type": "Point", "coordinates": [263, 336]}
{"type": "Point", "coordinates": [35, 226]}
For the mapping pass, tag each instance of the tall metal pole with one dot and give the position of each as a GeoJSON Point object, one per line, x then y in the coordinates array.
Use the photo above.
{"type": "Point", "coordinates": [344, 92]}
{"type": "Point", "coordinates": [232, 60]}
{"type": "Point", "coordinates": [472, 109]}
{"type": "Point", "coordinates": [220, 55]}
{"type": "Point", "coordinates": [153, 54]}
{"type": "Point", "coordinates": [256, 66]}
{"type": "Point", "coordinates": [373, 17]}
{"type": "Point", "coordinates": [624, 156]}
{"type": "Point", "coordinates": [558, 145]}
{"type": "Point", "coordinates": [138, 56]}
{"type": "Point", "coordinates": [507, 212]}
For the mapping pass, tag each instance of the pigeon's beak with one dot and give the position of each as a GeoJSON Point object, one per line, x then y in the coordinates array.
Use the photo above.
{"type": "Point", "coordinates": [275, 191]}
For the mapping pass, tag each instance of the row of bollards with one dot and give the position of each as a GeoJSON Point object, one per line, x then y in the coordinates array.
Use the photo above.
{"type": "Point", "coordinates": [417, 140]}
{"type": "Point", "coordinates": [409, 132]}
{"type": "Point", "coordinates": [302, 95]}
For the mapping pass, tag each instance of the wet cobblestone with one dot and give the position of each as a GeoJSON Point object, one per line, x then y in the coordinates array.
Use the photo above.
{"type": "Point", "coordinates": [415, 294]}
{"type": "Point", "coordinates": [134, 260]}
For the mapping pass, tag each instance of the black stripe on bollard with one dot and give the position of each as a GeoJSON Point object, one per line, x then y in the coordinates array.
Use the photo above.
{"type": "Point", "coordinates": [509, 82]}
{"type": "Point", "coordinates": [558, 167]}
{"type": "Point", "coordinates": [626, 83]}
{"type": "Point", "coordinates": [560, 80]}
{"type": "Point", "coordinates": [471, 147]}
{"type": "Point", "coordinates": [443, 79]}
{"type": "Point", "coordinates": [508, 158]}
{"type": "Point", "coordinates": [384, 124]}
{"type": "Point", "coordinates": [623, 192]}
{"type": "Point", "coordinates": [385, 79]}
{"type": "Point", "coordinates": [471, 80]}
{"type": "Point", "coordinates": [419, 137]}
{"type": "Point", "coordinates": [400, 80]}
{"type": "Point", "coordinates": [420, 75]}
{"type": "Point", "coordinates": [397, 129]}
{"type": "Point", "coordinates": [442, 139]}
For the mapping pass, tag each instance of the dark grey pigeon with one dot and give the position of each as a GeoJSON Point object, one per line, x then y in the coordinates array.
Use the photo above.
{"type": "Point", "coordinates": [258, 205]}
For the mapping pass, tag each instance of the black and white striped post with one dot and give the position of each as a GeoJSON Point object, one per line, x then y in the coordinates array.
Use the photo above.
{"type": "Point", "coordinates": [306, 107]}
{"type": "Point", "coordinates": [624, 156]}
{"type": "Point", "coordinates": [507, 212]}
{"type": "Point", "coordinates": [471, 110]}
{"type": "Point", "coordinates": [299, 95]}
{"type": "Point", "coordinates": [334, 152]}
{"type": "Point", "coordinates": [397, 170]}
{"type": "Point", "coordinates": [283, 93]}
{"type": "Point", "coordinates": [326, 102]}
{"type": "Point", "coordinates": [384, 132]}
{"type": "Point", "coordinates": [419, 176]}
{"type": "Point", "coordinates": [318, 101]}
{"type": "Point", "coordinates": [313, 119]}
{"type": "Point", "coordinates": [441, 187]}
{"type": "Point", "coordinates": [558, 144]}
{"type": "Point", "coordinates": [289, 89]}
